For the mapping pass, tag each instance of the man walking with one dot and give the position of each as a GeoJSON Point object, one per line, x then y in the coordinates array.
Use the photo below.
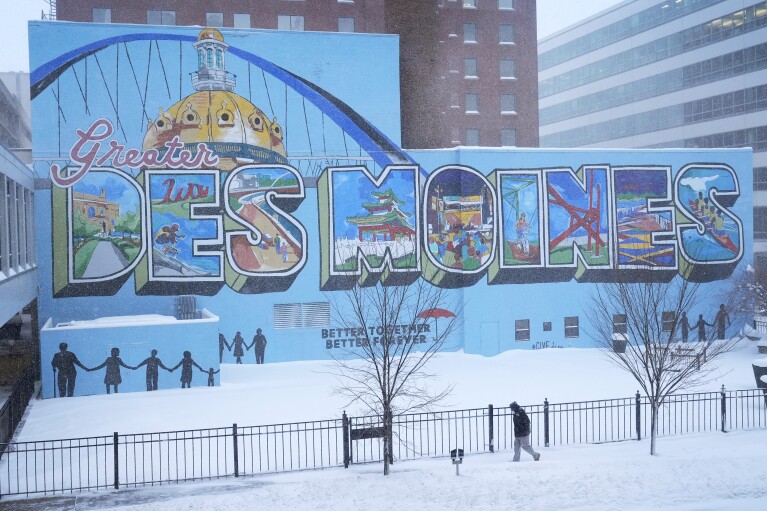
{"type": "Point", "coordinates": [522, 432]}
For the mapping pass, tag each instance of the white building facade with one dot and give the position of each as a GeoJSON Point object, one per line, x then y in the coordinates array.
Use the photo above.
{"type": "Point", "coordinates": [655, 74]}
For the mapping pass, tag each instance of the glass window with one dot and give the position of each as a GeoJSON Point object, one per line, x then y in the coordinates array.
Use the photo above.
{"type": "Point", "coordinates": [469, 33]}
{"type": "Point", "coordinates": [241, 20]}
{"type": "Point", "coordinates": [156, 17]}
{"type": "Point", "coordinates": [294, 23]}
{"type": "Point", "coordinates": [547, 326]}
{"type": "Point", "coordinates": [506, 33]}
{"type": "Point", "coordinates": [522, 330]}
{"type": "Point", "coordinates": [214, 19]}
{"type": "Point", "coordinates": [469, 4]}
{"type": "Point", "coordinates": [571, 326]}
{"type": "Point", "coordinates": [470, 68]}
{"type": "Point", "coordinates": [508, 68]}
{"type": "Point", "coordinates": [472, 136]}
{"type": "Point", "coordinates": [346, 24]}
{"type": "Point", "coordinates": [472, 102]}
{"type": "Point", "coordinates": [509, 138]}
{"type": "Point", "coordinates": [760, 223]}
{"type": "Point", "coordinates": [505, 4]}
{"type": "Point", "coordinates": [760, 178]}
{"type": "Point", "coordinates": [620, 324]}
{"type": "Point", "coordinates": [454, 100]}
{"type": "Point", "coordinates": [508, 103]}
{"type": "Point", "coordinates": [455, 134]}
{"type": "Point", "coordinates": [102, 15]}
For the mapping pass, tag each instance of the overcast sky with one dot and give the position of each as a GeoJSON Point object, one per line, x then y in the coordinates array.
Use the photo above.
{"type": "Point", "coordinates": [553, 15]}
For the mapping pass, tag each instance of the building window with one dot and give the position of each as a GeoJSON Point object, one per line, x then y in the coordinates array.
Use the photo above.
{"type": "Point", "coordinates": [522, 330]}
{"type": "Point", "coordinates": [102, 15]}
{"type": "Point", "coordinates": [469, 33]}
{"type": "Point", "coordinates": [346, 24]}
{"type": "Point", "coordinates": [210, 57]}
{"type": "Point", "coordinates": [669, 318]}
{"type": "Point", "coordinates": [470, 68]}
{"type": "Point", "coordinates": [508, 69]}
{"type": "Point", "coordinates": [455, 135]}
{"type": "Point", "coordinates": [506, 33]}
{"type": "Point", "coordinates": [547, 326]}
{"type": "Point", "coordinates": [760, 223]}
{"type": "Point", "coordinates": [760, 178]}
{"type": "Point", "coordinates": [508, 103]}
{"type": "Point", "coordinates": [472, 137]}
{"type": "Point", "coordinates": [241, 20]}
{"type": "Point", "coordinates": [214, 19]}
{"type": "Point", "coordinates": [301, 315]}
{"type": "Point", "coordinates": [472, 103]}
{"type": "Point", "coordinates": [506, 4]}
{"type": "Point", "coordinates": [508, 137]}
{"type": "Point", "coordinates": [469, 4]}
{"type": "Point", "coordinates": [620, 324]}
{"type": "Point", "coordinates": [293, 23]}
{"type": "Point", "coordinates": [571, 326]}
{"type": "Point", "coordinates": [454, 100]}
{"type": "Point", "coordinates": [156, 17]}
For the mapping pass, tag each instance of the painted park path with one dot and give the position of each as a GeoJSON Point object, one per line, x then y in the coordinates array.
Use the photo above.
{"type": "Point", "coordinates": [106, 260]}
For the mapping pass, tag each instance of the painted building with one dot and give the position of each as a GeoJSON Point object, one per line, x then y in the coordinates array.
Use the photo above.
{"type": "Point", "coordinates": [263, 182]}
{"type": "Point", "coordinates": [653, 74]}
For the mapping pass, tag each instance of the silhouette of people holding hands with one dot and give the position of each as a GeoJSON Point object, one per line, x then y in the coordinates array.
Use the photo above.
{"type": "Point", "coordinates": [152, 363]}
{"type": "Point", "coordinates": [221, 343]}
{"type": "Point", "coordinates": [722, 317]}
{"type": "Point", "coordinates": [684, 323]}
{"type": "Point", "coordinates": [186, 364]}
{"type": "Point", "coordinates": [64, 362]}
{"type": "Point", "coordinates": [112, 375]}
{"type": "Point", "coordinates": [701, 326]}
{"type": "Point", "coordinates": [210, 372]}
{"type": "Point", "coordinates": [237, 344]}
{"type": "Point", "coordinates": [259, 341]}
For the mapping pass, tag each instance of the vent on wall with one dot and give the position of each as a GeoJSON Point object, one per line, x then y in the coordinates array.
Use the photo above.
{"type": "Point", "coordinates": [301, 315]}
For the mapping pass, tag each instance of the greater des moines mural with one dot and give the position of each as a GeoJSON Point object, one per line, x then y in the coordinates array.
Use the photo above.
{"type": "Point", "coordinates": [263, 179]}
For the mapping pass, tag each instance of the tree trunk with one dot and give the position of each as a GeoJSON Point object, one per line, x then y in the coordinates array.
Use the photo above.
{"type": "Point", "coordinates": [387, 424]}
{"type": "Point", "coordinates": [653, 425]}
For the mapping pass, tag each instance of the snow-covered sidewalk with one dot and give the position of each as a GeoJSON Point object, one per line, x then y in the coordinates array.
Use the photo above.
{"type": "Point", "coordinates": [711, 471]}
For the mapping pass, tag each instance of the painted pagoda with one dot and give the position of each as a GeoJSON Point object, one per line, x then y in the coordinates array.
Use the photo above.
{"type": "Point", "coordinates": [385, 221]}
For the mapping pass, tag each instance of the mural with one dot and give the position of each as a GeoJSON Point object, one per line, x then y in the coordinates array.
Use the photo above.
{"type": "Point", "coordinates": [228, 166]}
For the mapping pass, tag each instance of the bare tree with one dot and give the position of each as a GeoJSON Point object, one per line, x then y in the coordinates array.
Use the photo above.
{"type": "Point", "coordinates": [650, 316]}
{"type": "Point", "coordinates": [383, 368]}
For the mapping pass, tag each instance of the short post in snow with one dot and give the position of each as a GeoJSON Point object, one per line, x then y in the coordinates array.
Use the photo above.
{"type": "Point", "coordinates": [115, 443]}
{"type": "Point", "coordinates": [546, 422]}
{"type": "Point", "coordinates": [724, 408]}
{"type": "Point", "coordinates": [236, 456]}
{"type": "Point", "coordinates": [639, 415]}
{"type": "Point", "coordinates": [345, 427]}
{"type": "Point", "coordinates": [490, 426]}
{"type": "Point", "coordinates": [457, 456]}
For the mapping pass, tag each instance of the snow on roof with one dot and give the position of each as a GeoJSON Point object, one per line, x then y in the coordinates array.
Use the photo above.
{"type": "Point", "coordinates": [760, 362]}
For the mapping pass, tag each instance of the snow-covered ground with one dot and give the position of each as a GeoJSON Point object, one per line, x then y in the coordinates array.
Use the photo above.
{"type": "Point", "coordinates": [298, 391]}
{"type": "Point", "coordinates": [707, 471]}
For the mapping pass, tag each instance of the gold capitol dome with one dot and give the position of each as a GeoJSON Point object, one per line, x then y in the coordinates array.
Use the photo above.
{"type": "Point", "coordinates": [233, 127]}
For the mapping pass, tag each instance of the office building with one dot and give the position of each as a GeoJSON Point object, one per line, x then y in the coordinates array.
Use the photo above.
{"type": "Point", "coordinates": [655, 74]}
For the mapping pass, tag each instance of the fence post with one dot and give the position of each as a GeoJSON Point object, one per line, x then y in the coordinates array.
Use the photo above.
{"type": "Point", "coordinates": [491, 428]}
{"type": "Point", "coordinates": [236, 451]}
{"type": "Point", "coordinates": [117, 459]}
{"type": "Point", "coordinates": [639, 416]}
{"type": "Point", "coordinates": [545, 422]}
{"type": "Point", "coordinates": [345, 426]}
{"type": "Point", "coordinates": [724, 408]}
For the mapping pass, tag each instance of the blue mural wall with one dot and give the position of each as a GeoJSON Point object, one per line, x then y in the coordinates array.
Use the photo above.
{"type": "Point", "coordinates": [230, 166]}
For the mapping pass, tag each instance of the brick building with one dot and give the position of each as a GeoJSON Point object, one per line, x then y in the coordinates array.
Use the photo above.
{"type": "Point", "coordinates": [468, 68]}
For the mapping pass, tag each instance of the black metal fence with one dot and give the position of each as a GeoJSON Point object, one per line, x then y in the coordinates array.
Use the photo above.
{"type": "Point", "coordinates": [115, 461]}
{"type": "Point", "coordinates": [14, 407]}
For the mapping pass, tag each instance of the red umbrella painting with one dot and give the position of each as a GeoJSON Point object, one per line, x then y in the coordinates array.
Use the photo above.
{"type": "Point", "coordinates": [436, 313]}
